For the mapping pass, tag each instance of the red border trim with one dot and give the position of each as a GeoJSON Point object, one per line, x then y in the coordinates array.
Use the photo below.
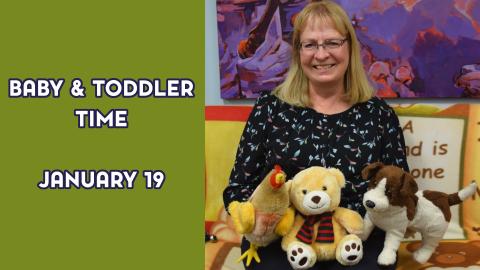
{"type": "Point", "coordinates": [208, 226]}
{"type": "Point", "coordinates": [227, 113]}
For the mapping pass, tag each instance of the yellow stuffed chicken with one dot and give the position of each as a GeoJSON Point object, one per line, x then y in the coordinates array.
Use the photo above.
{"type": "Point", "coordinates": [265, 216]}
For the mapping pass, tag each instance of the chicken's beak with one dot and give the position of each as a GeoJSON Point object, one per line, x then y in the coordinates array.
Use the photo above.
{"type": "Point", "coordinates": [278, 179]}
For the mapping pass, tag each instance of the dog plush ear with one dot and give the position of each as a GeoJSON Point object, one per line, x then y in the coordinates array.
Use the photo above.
{"type": "Point", "coordinates": [407, 192]}
{"type": "Point", "coordinates": [371, 169]}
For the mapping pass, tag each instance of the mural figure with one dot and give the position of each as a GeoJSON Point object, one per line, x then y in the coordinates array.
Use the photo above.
{"type": "Point", "coordinates": [415, 48]}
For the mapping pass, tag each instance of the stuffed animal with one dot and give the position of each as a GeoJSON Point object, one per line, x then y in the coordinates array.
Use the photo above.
{"type": "Point", "coordinates": [321, 228]}
{"type": "Point", "coordinates": [395, 205]}
{"type": "Point", "coordinates": [265, 216]}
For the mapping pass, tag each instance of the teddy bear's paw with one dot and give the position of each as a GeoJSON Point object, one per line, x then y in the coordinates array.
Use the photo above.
{"type": "Point", "coordinates": [387, 257]}
{"type": "Point", "coordinates": [350, 250]}
{"type": "Point", "coordinates": [301, 256]}
{"type": "Point", "coordinates": [363, 236]}
{"type": "Point", "coordinates": [286, 222]}
{"type": "Point", "coordinates": [354, 225]}
{"type": "Point", "coordinates": [356, 230]}
{"type": "Point", "coordinates": [422, 255]}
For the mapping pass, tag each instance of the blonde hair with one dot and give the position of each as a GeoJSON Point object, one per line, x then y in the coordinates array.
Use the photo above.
{"type": "Point", "coordinates": [294, 90]}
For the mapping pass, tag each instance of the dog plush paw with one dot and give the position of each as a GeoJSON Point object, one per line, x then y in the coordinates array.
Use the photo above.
{"type": "Point", "coordinates": [350, 250]}
{"type": "Point", "coordinates": [301, 256]}
{"type": "Point", "coordinates": [387, 257]}
{"type": "Point", "coordinates": [422, 255]}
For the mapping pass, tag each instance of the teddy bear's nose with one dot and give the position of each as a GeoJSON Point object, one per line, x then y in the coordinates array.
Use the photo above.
{"type": "Point", "coordinates": [316, 199]}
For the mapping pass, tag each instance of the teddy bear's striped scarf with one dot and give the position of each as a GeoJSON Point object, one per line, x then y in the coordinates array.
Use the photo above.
{"type": "Point", "coordinates": [324, 232]}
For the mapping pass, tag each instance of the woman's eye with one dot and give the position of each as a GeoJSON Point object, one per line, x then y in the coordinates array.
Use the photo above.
{"type": "Point", "coordinates": [308, 45]}
{"type": "Point", "coordinates": [331, 43]}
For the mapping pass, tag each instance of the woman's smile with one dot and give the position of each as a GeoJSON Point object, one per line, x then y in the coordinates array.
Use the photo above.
{"type": "Point", "coordinates": [324, 67]}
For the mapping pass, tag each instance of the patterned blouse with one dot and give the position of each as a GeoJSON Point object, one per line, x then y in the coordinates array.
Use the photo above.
{"type": "Point", "coordinates": [297, 138]}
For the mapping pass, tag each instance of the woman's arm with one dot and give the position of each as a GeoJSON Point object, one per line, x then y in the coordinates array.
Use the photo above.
{"type": "Point", "coordinates": [250, 162]}
{"type": "Point", "coordinates": [393, 142]}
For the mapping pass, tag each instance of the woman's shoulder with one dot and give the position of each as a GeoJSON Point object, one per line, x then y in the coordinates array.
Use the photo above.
{"type": "Point", "coordinates": [376, 105]}
{"type": "Point", "coordinates": [268, 99]}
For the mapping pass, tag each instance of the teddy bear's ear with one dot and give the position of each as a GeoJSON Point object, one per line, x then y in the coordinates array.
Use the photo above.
{"type": "Point", "coordinates": [288, 185]}
{"type": "Point", "coordinates": [338, 175]}
{"type": "Point", "coordinates": [371, 169]}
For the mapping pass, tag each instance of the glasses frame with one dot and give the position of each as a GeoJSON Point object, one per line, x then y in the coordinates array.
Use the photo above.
{"type": "Point", "coordinates": [318, 45]}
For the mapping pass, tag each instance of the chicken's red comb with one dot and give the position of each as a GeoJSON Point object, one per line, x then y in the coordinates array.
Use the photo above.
{"type": "Point", "coordinates": [277, 168]}
{"type": "Point", "coordinates": [273, 177]}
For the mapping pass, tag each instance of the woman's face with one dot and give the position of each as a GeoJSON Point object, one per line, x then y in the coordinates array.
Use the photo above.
{"type": "Point", "coordinates": [323, 66]}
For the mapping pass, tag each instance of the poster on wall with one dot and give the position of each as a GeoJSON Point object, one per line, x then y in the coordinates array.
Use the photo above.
{"type": "Point", "coordinates": [410, 49]}
{"type": "Point", "coordinates": [442, 142]}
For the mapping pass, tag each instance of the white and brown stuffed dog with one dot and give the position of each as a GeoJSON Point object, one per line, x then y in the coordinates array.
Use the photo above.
{"type": "Point", "coordinates": [322, 230]}
{"type": "Point", "coordinates": [394, 204]}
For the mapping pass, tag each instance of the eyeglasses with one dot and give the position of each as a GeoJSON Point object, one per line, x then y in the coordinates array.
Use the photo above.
{"type": "Point", "coordinates": [329, 44]}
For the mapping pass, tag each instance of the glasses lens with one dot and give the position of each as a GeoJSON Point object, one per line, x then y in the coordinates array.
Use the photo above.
{"type": "Point", "coordinates": [329, 44]}
{"type": "Point", "coordinates": [309, 46]}
{"type": "Point", "coordinates": [333, 44]}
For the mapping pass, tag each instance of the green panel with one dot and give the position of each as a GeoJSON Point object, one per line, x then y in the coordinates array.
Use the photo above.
{"type": "Point", "coordinates": [102, 229]}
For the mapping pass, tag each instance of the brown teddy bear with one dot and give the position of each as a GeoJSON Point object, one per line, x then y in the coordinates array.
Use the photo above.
{"type": "Point", "coordinates": [322, 230]}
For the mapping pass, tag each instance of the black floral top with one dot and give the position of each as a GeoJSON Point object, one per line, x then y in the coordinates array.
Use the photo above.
{"type": "Point", "coordinates": [297, 138]}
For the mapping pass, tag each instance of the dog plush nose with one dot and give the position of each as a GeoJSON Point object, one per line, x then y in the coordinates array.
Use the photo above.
{"type": "Point", "coordinates": [316, 199]}
{"type": "Point", "coordinates": [370, 204]}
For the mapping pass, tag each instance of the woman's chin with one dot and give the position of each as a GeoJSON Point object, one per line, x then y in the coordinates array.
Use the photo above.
{"type": "Point", "coordinates": [325, 79]}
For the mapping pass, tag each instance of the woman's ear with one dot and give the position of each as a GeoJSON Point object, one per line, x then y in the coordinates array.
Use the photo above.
{"type": "Point", "coordinates": [371, 169]}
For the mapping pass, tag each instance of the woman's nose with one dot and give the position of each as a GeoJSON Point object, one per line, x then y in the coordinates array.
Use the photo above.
{"type": "Point", "coordinates": [321, 53]}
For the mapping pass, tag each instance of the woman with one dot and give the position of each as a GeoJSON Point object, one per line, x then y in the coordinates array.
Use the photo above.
{"type": "Point", "coordinates": [322, 115]}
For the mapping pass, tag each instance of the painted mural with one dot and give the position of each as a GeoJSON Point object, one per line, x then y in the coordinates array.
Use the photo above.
{"type": "Point", "coordinates": [410, 48]}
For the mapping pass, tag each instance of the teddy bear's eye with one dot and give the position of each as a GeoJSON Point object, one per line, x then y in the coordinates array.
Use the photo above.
{"type": "Point", "coordinates": [324, 188]}
{"type": "Point", "coordinates": [304, 191]}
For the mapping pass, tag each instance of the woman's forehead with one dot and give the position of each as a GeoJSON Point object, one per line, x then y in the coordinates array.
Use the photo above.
{"type": "Point", "coordinates": [321, 23]}
{"type": "Point", "coordinates": [325, 27]}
